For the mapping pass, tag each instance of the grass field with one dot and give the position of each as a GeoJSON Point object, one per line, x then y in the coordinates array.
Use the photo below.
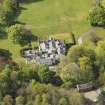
{"type": "Point", "coordinates": [53, 17]}
{"type": "Point", "coordinates": [48, 17]}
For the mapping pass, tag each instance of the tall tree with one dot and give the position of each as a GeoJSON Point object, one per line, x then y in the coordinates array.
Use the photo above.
{"type": "Point", "coordinates": [20, 35]}
{"type": "Point", "coordinates": [97, 16]}
{"type": "Point", "coordinates": [87, 73]}
{"type": "Point", "coordinates": [73, 38]}
{"type": "Point", "coordinates": [45, 74]}
{"type": "Point", "coordinates": [6, 12]}
{"type": "Point", "coordinates": [20, 100]}
{"type": "Point", "coordinates": [78, 51]}
{"type": "Point", "coordinates": [100, 54]}
{"type": "Point", "coordinates": [8, 100]}
{"type": "Point", "coordinates": [70, 74]}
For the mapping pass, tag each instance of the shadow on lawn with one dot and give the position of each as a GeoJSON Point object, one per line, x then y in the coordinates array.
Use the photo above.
{"type": "Point", "coordinates": [18, 12]}
{"type": "Point", "coordinates": [3, 35]}
{"type": "Point", "coordinates": [5, 53]}
{"type": "Point", "coordinates": [68, 46]}
{"type": "Point", "coordinates": [29, 1]}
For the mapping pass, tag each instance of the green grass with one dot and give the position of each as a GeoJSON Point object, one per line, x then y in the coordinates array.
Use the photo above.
{"type": "Point", "coordinates": [14, 49]}
{"type": "Point", "coordinates": [49, 17]}
{"type": "Point", "coordinates": [52, 17]}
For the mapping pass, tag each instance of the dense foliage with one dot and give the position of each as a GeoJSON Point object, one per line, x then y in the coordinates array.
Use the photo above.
{"type": "Point", "coordinates": [7, 12]}
{"type": "Point", "coordinates": [20, 35]}
{"type": "Point", "coordinates": [97, 16]}
{"type": "Point", "coordinates": [21, 87]}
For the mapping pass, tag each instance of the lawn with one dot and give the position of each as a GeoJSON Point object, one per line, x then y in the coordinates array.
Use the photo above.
{"type": "Point", "coordinates": [14, 49]}
{"type": "Point", "coordinates": [56, 18]}
{"type": "Point", "coordinates": [49, 17]}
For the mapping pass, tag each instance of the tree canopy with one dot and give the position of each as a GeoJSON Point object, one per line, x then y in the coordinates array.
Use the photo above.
{"type": "Point", "coordinates": [20, 35]}
{"type": "Point", "coordinates": [97, 16]}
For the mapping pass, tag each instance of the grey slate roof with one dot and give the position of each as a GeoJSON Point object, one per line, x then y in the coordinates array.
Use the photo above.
{"type": "Point", "coordinates": [49, 52]}
{"type": "Point", "coordinates": [85, 87]}
{"type": "Point", "coordinates": [46, 61]}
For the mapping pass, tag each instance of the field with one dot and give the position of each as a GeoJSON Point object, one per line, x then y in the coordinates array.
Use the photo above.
{"type": "Point", "coordinates": [55, 18]}
{"type": "Point", "coordinates": [49, 17]}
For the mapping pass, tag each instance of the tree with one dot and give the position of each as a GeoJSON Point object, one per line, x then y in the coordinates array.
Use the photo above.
{"type": "Point", "coordinates": [45, 74]}
{"type": "Point", "coordinates": [6, 12]}
{"type": "Point", "coordinates": [102, 77]}
{"type": "Point", "coordinates": [85, 63]}
{"type": "Point", "coordinates": [100, 54]}
{"type": "Point", "coordinates": [4, 86]}
{"type": "Point", "coordinates": [15, 82]}
{"type": "Point", "coordinates": [8, 100]}
{"type": "Point", "coordinates": [87, 73]}
{"type": "Point", "coordinates": [73, 38]}
{"type": "Point", "coordinates": [46, 94]}
{"type": "Point", "coordinates": [20, 35]}
{"type": "Point", "coordinates": [38, 100]}
{"type": "Point", "coordinates": [20, 100]}
{"type": "Point", "coordinates": [97, 16]}
{"type": "Point", "coordinates": [15, 4]}
{"type": "Point", "coordinates": [78, 51]}
{"type": "Point", "coordinates": [79, 101]}
{"type": "Point", "coordinates": [27, 72]}
{"type": "Point", "coordinates": [101, 98]}
{"type": "Point", "coordinates": [70, 74]}
{"type": "Point", "coordinates": [45, 100]}
{"type": "Point", "coordinates": [63, 101]}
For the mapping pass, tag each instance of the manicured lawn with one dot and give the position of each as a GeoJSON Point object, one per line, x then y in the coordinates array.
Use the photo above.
{"type": "Point", "coordinates": [48, 17]}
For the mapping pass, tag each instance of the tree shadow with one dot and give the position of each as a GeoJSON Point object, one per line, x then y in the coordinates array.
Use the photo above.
{"type": "Point", "coordinates": [18, 22]}
{"type": "Point", "coordinates": [3, 35]}
{"type": "Point", "coordinates": [19, 10]}
{"type": "Point", "coordinates": [28, 38]}
{"type": "Point", "coordinates": [68, 46]}
{"type": "Point", "coordinates": [22, 8]}
{"type": "Point", "coordinates": [16, 14]}
{"type": "Point", "coordinates": [98, 26]}
{"type": "Point", "coordinates": [30, 1]}
{"type": "Point", "coordinates": [5, 53]}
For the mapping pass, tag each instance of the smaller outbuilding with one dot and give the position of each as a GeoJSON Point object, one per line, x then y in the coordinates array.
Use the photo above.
{"type": "Point", "coordinates": [85, 87]}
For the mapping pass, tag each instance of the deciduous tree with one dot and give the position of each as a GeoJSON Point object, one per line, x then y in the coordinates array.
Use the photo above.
{"type": "Point", "coordinates": [20, 35]}
{"type": "Point", "coordinates": [97, 16]}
